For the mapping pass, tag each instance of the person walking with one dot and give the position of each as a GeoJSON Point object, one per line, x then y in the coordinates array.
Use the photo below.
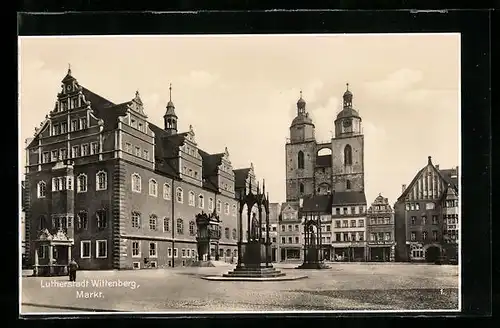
{"type": "Point", "coordinates": [73, 266]}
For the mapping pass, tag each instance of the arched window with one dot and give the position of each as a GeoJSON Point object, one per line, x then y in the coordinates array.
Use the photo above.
{"type": "Point", "coordinates": [153, 188]}
{"type": "Point", "coordinates": [179, 195]}
{"type": "Point", "coordinates": [347, 155]}
{"type": "Point", "coordinates": [301, 188]}
{"type": "Point", "coordinates": [192, 226]}
{"type": "Point", "coordinates": [191, 198]}
{"type": "Point", "coordinates": [153, 220]}
{"type": "Point", "coordinates": [82, 183]}
{"type": "Point", "coordinates": [300, 160]}
{"type": "Point", "coordinates": [234, 210]}
{"type": "Point", "coordinates": [166, 191]}
{"type": "Point", "coordinates": [136, 183]}
{"type": "Point", "coordinates": [41, 189]}
{"type": "Point", "coordinates": [234, 234]}
{"type": "Point", "coordinates": [201, 201]}
{"type": "Point", "coordinates": [348, 184]}
{"type": "Point", "coordinates": [82, 220]}
{"type": "Point", "coordinates": [136, 220]}
{"type": "Point", "coordinates": [210, 204]}
{"type": "Point", "coordinates": [226, 233]}
{"type": "Point", "coordinates": [166, 224]}
{"type": "Point", "coordinates": [219, 206]}
{"type": "Point", "coordinates": [226, 208]}
{"type": "Point", "coordinates": [180, 226]}
{"type": "Point", "coordinates": [101, 180]}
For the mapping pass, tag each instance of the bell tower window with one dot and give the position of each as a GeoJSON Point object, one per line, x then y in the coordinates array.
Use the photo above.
{"type": "Point", "coordinates": [300, 159]}
{"type": "Point", "coordinates": [301, 188]}
{"type": "Point", "coordinates": [348, 155]}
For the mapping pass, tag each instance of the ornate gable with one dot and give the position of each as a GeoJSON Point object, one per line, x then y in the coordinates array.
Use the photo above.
{"type": "Point", "coordinates": [191, 135]}
{"type": "Point", "coordinates": [137, 105]}
{"type": "Point", "coordinates": [44, 235]}
{"type": "Point", "coordinates": [427, 184]}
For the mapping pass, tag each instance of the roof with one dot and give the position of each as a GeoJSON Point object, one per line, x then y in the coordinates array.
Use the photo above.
{"type": "Point", "coordinates": [302, 119]}
{"type": "Point", "coordinates": [349, 198]}
{"type": "Point", "coordinates": [240, 177]}
{"type": "Point", "coordinates": [317, 203]}
{"type": "Point", "coordinates": [211, 162]}
{"type": "Point", "coordinates": [324, 161]}
{"type": "Point", "coordinates": [450, 176]}
{"type": "Point", "coordinates": [348, 112]}
{"type": "Point", "coordinates": [294, 206]}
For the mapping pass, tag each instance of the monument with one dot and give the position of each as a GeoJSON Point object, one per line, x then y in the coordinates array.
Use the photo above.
{"type": "Point", "coordinates": [312, 210]}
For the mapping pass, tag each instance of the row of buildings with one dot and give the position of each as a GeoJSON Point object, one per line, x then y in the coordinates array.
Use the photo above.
{"type": "Point", "coordinates": [107, 187]}
{"type": "Point", "coordinates": [327, 179]}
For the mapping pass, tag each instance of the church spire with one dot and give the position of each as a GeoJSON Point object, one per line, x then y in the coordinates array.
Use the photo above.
{"type": "Point", "coordinates": [347, 97]}
{"type": "Point", "coordinates": [170, 118]}
{"type": "Point", "coordinates": [301, 105]}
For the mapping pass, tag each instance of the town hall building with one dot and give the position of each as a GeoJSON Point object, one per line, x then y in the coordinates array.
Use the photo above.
{"type": "Point", "coordinates": [114, 191]}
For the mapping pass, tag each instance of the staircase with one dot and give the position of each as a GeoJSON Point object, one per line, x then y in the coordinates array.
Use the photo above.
{"type": "Point", "coordinates": [254, 272]}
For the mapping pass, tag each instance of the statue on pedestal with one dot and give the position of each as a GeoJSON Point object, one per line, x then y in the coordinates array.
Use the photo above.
{"type": "Point", "coordinates": [254, 230]}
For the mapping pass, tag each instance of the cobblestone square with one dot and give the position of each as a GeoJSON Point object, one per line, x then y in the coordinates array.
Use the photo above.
{"type": "Point", "coordinates": [353, 286]}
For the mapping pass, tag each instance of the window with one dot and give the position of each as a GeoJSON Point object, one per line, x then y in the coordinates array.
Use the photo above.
{"type": "Point", "coordinates": [417, 206]}
{"type": "Point", "coordinates": [145, 153]}
{"type": "Point", "coordinates": [434, 219]}
{"type": "Point", "coordinates": [75, 151]}
{"type": "Point", "coordinates": [361, 236]}
{"type": "Point", "coordinates": [167, 192]}
{"type": "Point", "coordinates": [226, 233]}
{"type": "Point", "coordinates": [210, 204]}
{"type": "Point", "coordinates": [153, 188]}
{"type": "Point", "coordinates": [74, 125]}
{"type": "Point", "coordinates": [179, 195]}
{"type": "Point", "coordinates": [83, 123]}
{"type": "Point", "coordinates": [413, 220]}
{"type": "Point", "coordinates": [64, 127]}
{"type": "Point", "coordinates": [353, 236]}
{"type": "Point", "coordinates": [153, 222]}
{"type": "Point", "coordinates": [337, 211]}
{"type": "Point", "coordinates": [85, 249]}
{"type": "Point", "coordinates": [283, 228]}
{"type": "Point", "coordinates": [55, 155]}
{"type": "Point", "coordinates": [191, 198]}
{"type": "Point", "coordinates": [41, 189]}
{"type": "Point", "coordinates": [101, 219]}
{"type": "Point", "coordinates": [345, 211]}
{"type": "Point", "coordinates": [345, 224]}
{"type": "Point", "coordinates": [289, 227]}
{"type": "Point", "coordinates": [136, 265]}
{"type": "Point", "coordinates": [234, 210]}
{"type": "Point", "coordinates": [101, 248]}
{"type": "Point", "coordinates": [152, 249]}
{"type": "Point", "coordinates": [347, 155]}
{"type": "Point", "coordinates": [166, 224]}
{"type": "Point", "coordinates": [300, 160]}
{"type": "Point", "coordinates": [226, 208]}
{"type": "Point", "coordinates": [283, 240]}
{"type": "Point", "coordinates": [296, 240]}
{"type": "Point", "coordinates": [136, 220]}
{"type": "Point", "coordinates": [429, 206]}
{"type": "Point", "coordinates": [301, 188]}
{"type": "Point", "coordinates": [183, 252]}
{"type": "Point", "coordinates": [81, 183]}
{"type": "Point", "coordinates": [345, 236]}
{"type": "Point", "coordinates": [274, 239]}
{"type": "Point", "coordinates": [136, 249]}
{"type": "Point", "coordinates": [169, 252]}
{"type": "Point", "coordinates": [74, 102]}
{"type": "Point", "coordinates": [133, 123]}
{"type": "Point", "coordinates": [348, 184]}
{"type": "Point", "coordinates": [424, 220]}
{"type": "Point", "coordinates": [137, 151]}
{"type": "Point", "coordinates": [128, 147]}
{"type": "Point", "coordinates": [46, 157]}
{"type": "Point", "coordinates": [337, 223]}
{"type": "Point", "coordinates": [192, 230]}
{"type": "Point", "coordinates": [434, 235]}
{"type": "Point", "coordinates": [180, 226]}
{"type": "Point", "coordinates": [82, 220]}
{"type": "Point", "coordinates": [139, 126]}
{"type": "Point", "coordinates": [94, 148]}
{"type": "Point", "coordinates": [296, 227]}
{"type": "Point", "coordinates": [289, 240]}
{"type": "Point", "coordinates": [85, 150]}
{"type": "Point", "coordinates": [424, 235]}
{"type": "Point", "coordinates": [219, 206]}
{"type": "Point", "coordinates": [175, 252]}
{"type": "Point", "coordinates": [234, 234]}
{"type": "Point", "coordinates": [63, 154]}
{"type": "Point", "coordinates": [101, 181]}
{"type": "Point", "coordinates": [136, 183]}
{"type": "Point", "coordinates": [55, 129]}
{"type": "Point", "coordinates": [413, 236]}
{"type": "Point", "coordinates": [387, 236]}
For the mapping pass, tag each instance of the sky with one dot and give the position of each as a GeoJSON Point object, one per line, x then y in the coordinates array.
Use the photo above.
{"type": "Point", "coordinates": [240, 92]}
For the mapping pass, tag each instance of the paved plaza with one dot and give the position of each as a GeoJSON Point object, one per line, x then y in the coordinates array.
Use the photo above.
{"type": "Point", "coordinates": [350, 286]}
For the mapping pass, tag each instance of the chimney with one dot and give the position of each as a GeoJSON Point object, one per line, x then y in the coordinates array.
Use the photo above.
{"type": "Point", "coordinates": [437, 166]}
{"type": "Point", "coordinates": [403, 188]}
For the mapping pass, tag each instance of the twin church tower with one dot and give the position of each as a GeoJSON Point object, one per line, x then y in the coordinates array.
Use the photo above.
{"type": "Point", "coordinates": [315, 168]}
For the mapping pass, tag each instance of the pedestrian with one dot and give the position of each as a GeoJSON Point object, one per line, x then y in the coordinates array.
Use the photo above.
{"type": "Point", "coordinates": [73, 266]}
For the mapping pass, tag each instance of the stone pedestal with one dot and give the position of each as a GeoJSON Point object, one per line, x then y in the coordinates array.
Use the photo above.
{"type": "Point", "coordinates": [255, 264]}
{"type": "Point", "coordinates": [312, 260]}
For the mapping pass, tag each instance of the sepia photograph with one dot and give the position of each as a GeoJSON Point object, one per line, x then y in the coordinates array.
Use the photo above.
{"type": "Point", "coordinates": [272, 173]}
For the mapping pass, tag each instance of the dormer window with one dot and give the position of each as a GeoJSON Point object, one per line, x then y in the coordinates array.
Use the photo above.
{"type": "Point", "coordinates": [83, 123]}
{"type": "Point", "coordinates": [74, 103]}
{"type": "Point", "coordinates": [64, 105]}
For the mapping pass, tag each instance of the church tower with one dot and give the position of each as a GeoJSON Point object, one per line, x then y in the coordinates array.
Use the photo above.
{"type": "Point", "coordinates": [300, 155]}
{"type": "Point", "coordinates": [170, 119]}
{"type": "Point", "coordinates": [348, 148]}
